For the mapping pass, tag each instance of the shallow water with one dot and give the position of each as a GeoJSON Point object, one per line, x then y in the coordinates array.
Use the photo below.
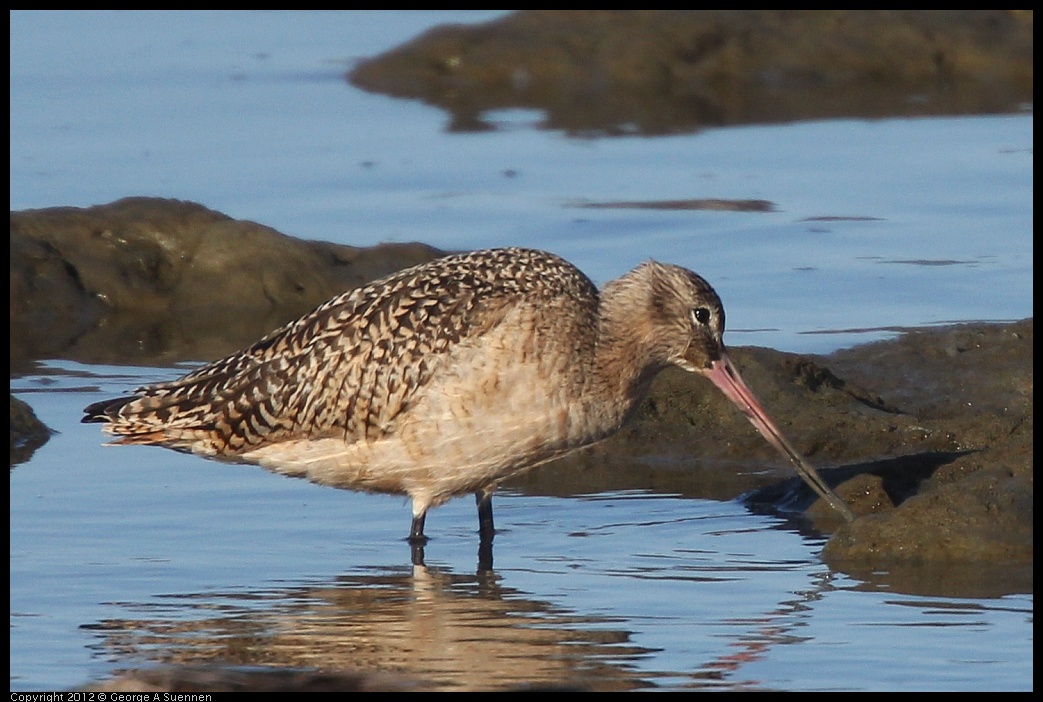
{"type": "Point", "coordinates": [124, 556]}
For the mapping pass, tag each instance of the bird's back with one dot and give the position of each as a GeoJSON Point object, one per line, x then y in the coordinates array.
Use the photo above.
{"type": "Point", "coordinates": [352, 368]}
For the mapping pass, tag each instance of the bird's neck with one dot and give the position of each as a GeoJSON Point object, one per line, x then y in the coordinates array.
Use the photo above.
{"type": "Point", "coordinates": [628, 356]}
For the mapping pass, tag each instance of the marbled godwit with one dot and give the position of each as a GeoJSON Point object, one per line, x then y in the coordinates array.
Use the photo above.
{"type": "Point", "coordinates": [448, 378]}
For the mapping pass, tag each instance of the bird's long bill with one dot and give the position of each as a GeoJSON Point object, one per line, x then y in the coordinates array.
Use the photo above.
{"type": "Point", "coordinates": [725, 376]}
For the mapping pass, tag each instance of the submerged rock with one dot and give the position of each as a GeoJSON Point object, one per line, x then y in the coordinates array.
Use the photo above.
{"type": "Point", "coordinates": [605, 72]}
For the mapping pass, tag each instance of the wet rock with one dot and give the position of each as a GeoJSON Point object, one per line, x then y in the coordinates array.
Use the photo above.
{"type": "Point", "coordinates": [971, 384]}
{"type": "Point", "coordinates": [28, 433]}
{"type": "Point", "coordinates": [604, 72]}
{"type": "Point", "coordinates": [154, 280]}
{"type": "Point", "coordinates": [985, 517]}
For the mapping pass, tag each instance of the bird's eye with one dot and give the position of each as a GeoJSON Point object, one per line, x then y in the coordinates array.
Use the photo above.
{"type": "Point", "coordinates": [701, 315]}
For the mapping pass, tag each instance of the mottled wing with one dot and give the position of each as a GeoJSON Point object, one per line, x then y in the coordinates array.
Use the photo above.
{"type": "Point", "coordinates": [348, 369]}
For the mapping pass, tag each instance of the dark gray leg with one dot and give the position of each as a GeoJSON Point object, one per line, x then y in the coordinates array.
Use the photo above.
{"type": "Point", "coordinates": [416, 532]}
{"type": "Point", "coordinates": [486, 530]}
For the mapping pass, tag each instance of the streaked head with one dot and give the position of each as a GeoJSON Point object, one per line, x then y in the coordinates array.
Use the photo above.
{"type": "Point", "coordinates": [686, 325]}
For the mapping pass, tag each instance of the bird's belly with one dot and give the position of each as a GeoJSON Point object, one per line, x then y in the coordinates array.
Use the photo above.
{"type": "Point", "coordinates": [421, 461]}
{"type": "Point", "coordinates": [469, 432]}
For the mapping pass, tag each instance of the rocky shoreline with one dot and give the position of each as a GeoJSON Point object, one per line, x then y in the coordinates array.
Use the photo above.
{"type": "Point", "coordinates": [612, 72]}
{"type": "Point", "coordinates": [933, 453]}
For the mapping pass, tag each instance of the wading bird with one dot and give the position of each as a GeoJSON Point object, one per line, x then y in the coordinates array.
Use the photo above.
{"type": "Point", "coordinates": [448, 378]}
